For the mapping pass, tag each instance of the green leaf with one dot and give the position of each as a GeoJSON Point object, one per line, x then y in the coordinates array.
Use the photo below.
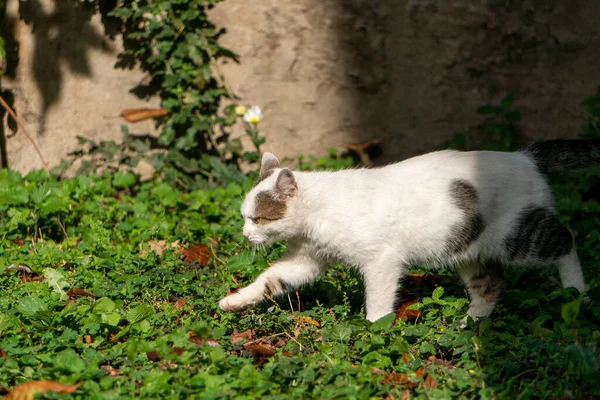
{"type": "Point", "coordinates": [31, 305]}
{"type": "Point", "coordinates": [140, 313]}
{"type": "Point", "coordinates": [68, 360]}
{"type": "Point", "coordinates": [123, 179]}
{"type": "Point", "coordinates": [570, 310]}
{"type": "Point", "coordinates": [437, 293]}
{"type": "Point", "coordinates": [56, 281]}
{"type": "Point", "coordinates": [103, 305]}
{"type": "Point", "coordinates": [507, 101]}
{"type": "Point", "coordinates": [384, 322]}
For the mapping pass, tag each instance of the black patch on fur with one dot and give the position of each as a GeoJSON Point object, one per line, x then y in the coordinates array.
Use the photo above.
{"type": "Point", "coordinates": [538, 235]}
{"type": "Point", "coordinates": [276, 286]}
{"type": "Point", "coordinates": [461, 235]}
{"type": "Point", "coordinates": [552, 155]}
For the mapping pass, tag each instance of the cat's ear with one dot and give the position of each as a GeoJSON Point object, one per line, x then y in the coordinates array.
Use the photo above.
{"type": "Point", "coordinates": [269, 163]}
{"type": "Point", "coordinates": [286, 185]}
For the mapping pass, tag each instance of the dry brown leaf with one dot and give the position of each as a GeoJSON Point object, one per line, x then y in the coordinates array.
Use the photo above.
{"type": "Point", "coordinates": [405, 358]}
{"type": "Point", "coordinates": [179, 303]}
{"type": "Point", "coordinates": [153, 355]}
{"type": "Point", "coordinates": [212, 342]}
{"type": "Point", "coordinates": [178, 350]}
{"type": "Point", "coordinates": [88, 339]}
{"type": "Point", "coordinates": [237, 336]}
{"type": "Point", "coordinates": [404, 314]}
{"type": "Point", "coordinates": [110, 370]}
{"type": "Point", "coordinates": [140, 114]}
{"type": "Point", "coordinates": [198, 253]}
{"type": "Point", "coordinates": [419, 372]}
{"type": "Point", "coordinates": [77, 292]}
{"type": "Point", "coordinates": [287, 353]}
{"type": "Point", "coordinates": [260, 351]}
{"type": "Point", "coordinates": [395, 378]}
{"type": "Point", "coordinates": [27, 390]}
{"type": "Point", "coordinates": [430, 383]}
{"type": "Point", "coordinates": [2, 353]}
{"type": "Point", "coordinates": [159, 246]}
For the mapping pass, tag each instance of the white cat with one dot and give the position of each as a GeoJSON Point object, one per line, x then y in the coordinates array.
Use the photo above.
{"type": "Point", "coordinates": [473, 211]}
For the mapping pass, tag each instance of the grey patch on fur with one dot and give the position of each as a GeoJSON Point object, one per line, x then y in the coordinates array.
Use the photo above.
{"type": "Point", "coordinates": [276, 286]}
{"type": "Point", "coordinates": [487, 284]}
{"type": "Point", "coordinates": [465, 198]}
{"type": "Point", "coordinates": [538, 235]}
{"type": "Point", "coordinates": [268, 207]}
{"type": "Point", "coordinates": [552, 155]}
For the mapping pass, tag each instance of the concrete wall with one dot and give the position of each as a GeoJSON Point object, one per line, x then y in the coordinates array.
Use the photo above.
{"type": "Point", "coordinates": [408, 72]}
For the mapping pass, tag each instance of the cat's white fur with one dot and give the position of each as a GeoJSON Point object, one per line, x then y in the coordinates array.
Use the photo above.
{"type": "Point", "coordinates": [383, 220]}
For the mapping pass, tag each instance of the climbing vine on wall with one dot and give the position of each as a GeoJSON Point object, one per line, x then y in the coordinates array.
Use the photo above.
{"type": "Point", "coordinates": [177, 45]}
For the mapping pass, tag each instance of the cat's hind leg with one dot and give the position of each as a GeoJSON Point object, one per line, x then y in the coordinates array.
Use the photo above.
{"type": "Point", "coordinates": [484, 285]}
{"type": "Point", "coordinates": [540, 239]}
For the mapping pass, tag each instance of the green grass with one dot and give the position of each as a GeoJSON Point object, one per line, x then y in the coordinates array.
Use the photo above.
{"type": "Point", "coordinates": [137, 337]}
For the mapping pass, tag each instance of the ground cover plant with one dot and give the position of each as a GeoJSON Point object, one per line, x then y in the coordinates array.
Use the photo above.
{"type": "Point", "coordinates": [110, 289]}
{"type": "Point", "coordinates": [112, 285]}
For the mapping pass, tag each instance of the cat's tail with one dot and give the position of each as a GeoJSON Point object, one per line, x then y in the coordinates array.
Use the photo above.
{"type": "Point", "coordinates": [553, 155]}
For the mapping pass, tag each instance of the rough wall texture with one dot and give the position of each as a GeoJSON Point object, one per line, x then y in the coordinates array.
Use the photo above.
{"type": "Point", "coordinates": [65, 84]}
{"type": "Point", "coordinates": [409, 72]}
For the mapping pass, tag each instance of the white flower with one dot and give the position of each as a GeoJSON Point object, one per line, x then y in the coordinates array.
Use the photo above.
{"type": "Point", "coordinates": [253, 115]}
{"type": "Point", "coordinates": [240, 110]}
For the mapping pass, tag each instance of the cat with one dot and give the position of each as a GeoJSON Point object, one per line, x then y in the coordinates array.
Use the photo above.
{"type": "Point", "coordinates": [474, 211]}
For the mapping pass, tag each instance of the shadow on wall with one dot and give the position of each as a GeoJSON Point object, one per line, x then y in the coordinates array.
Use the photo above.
{"type": "Point", "coordinates": [421, 68]}
{"type": "Point", "coordinates": [62, 37]}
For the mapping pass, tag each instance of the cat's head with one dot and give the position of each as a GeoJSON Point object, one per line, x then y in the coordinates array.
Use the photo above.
{"type": "Point", "coordinates": [268, 209]}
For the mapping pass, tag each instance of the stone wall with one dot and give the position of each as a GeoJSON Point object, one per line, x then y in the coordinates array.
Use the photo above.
{"type": "Point", "coordinates": [410, 72]}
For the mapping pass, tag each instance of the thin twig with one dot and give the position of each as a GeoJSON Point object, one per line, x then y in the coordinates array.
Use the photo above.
{"type": "Point", "coordinates": [62, 228]}
{"type": "Point", "coordinates": [18, 121]}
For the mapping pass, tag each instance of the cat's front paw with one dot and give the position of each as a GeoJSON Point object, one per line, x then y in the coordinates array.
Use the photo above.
{"type": "Point", "coordinates": [234, 302]}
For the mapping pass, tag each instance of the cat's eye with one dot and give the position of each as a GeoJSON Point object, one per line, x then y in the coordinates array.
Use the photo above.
{"type": "Point", "coordinates": [255, 220]}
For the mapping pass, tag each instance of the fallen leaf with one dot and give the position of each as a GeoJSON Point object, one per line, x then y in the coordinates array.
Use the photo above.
{"type": "Point", "coordinates": [430, 383]}
{"type": "Point", "coordinates": [2, 353]}
{"type": "Point", "coordinates": [212, 342]}
{"type": "Point", "coordinates": [140, 114]}
{"type": "Point", "coordinates": [237, 336]}
{"type": "Point", "coordinates": [88, 339]}
{"type": "Point", "coordinates": [21, 268]}
{"type": "Point", "coordinates": [179, 303]}
{"type": "Point", "coordinates": [198, 253]}
{"type": "Point", "coordinates": [404, 314]}
{"type": "Point", "coordinates": [77, 292]}
{"type": "Point", "coordinates": [110, 370]}
{"type": "Point", "coordinates": [159, 246]}
{"type": "Point", "coordinates": [306, 320]}
{"type": "Point", "coordinates": [153, 355]}
{"type": "Point", "coordinates": [419, 372]}
{"type": "Point", "coordinates": [287, 353]}
{"type": "Point", "coordinates": [27, 390]}
{"type": "Point", "coordinates": [395, 378]}
{"type": "Point", "coordinates": [405, 358]}
{"type": "Point", "coordinates": [178, 350]}
{"type": "Point", "coordinates": [260, 352]}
